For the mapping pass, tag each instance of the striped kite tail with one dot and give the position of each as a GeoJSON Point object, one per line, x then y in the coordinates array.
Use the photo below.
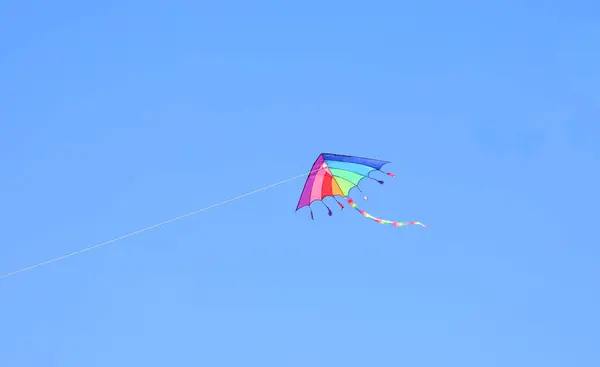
{"type": "Point", "coordinates": [382, 221]}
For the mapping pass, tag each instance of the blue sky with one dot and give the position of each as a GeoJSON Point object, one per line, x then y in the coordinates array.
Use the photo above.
{"type": "Point", "coordinates": [118, 115]}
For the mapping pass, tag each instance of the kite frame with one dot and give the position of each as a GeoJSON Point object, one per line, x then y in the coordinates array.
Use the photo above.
{"type": "Point", "coordinates": [336, 177]}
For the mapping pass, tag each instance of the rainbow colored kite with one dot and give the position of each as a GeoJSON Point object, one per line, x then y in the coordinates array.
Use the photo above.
{"type": "Point", "coordinates": [335, 175]}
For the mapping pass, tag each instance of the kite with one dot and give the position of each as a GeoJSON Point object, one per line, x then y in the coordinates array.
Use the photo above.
{"type": "Point", "coordinates": [336, 175]}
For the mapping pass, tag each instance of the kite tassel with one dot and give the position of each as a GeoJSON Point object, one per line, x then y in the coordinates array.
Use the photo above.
{"type": "Point", "coordinates": [329, 212]}
{"type": "Point", "coordinates": [382, 221]}
{"type": "Point", "coordinates": [374, 179]}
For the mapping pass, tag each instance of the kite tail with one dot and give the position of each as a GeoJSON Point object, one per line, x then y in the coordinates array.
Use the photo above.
{"type": "Point", "coordinates": [382, 221]}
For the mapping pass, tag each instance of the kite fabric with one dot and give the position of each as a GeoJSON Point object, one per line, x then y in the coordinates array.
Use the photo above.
{"type": "Point", "coordinates": [336, 175]}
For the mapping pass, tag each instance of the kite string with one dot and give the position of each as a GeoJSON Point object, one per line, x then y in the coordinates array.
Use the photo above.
{"type": "Point", "coordinates": [152, 226]}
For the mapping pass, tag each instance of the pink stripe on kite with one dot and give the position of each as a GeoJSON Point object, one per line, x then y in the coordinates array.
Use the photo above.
{"type": "Point", "coordinates": [317, 187]}
{"type": "Point", "coordinates": [305, 197]}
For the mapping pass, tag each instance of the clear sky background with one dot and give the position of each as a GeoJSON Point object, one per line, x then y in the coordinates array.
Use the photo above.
{"type": "Point", "coordinates": [116, 115]}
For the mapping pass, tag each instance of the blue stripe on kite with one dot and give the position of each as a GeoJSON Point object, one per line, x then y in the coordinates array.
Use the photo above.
{"type": "Point", "coordinates": [375, 163]}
